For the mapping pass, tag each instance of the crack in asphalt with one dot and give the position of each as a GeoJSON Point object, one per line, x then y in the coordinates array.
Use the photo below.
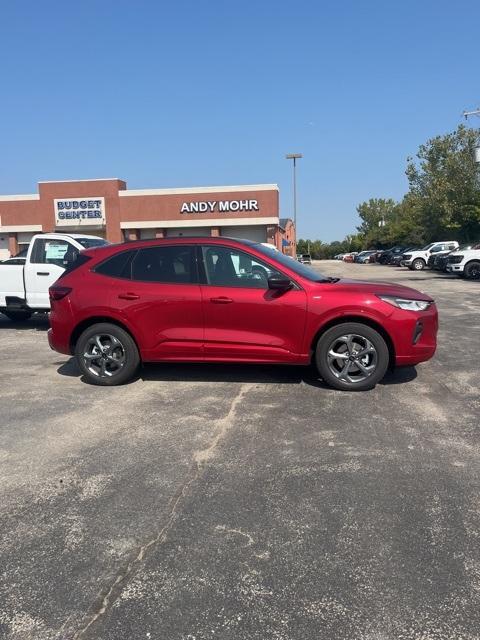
{"type": "Point", "coordinates": [201, 458]}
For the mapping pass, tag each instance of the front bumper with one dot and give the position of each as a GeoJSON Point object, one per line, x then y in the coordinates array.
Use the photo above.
{"type": "Point", "coordinates": [414, 335]}
{"type": "Point", "coordinates": [455, 268]}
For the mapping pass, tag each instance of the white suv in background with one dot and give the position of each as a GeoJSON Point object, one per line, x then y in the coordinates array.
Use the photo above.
{"type": "Point", "coordinates": [417, 260]}
{"type": "Point", "coordinates": [465, 263]}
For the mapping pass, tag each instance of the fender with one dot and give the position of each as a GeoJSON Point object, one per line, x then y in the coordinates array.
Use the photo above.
{"type": "Point", "coordinates": [316, 324]}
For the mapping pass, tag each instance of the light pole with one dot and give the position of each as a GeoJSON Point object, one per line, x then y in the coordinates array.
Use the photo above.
{"type": "Point", "coordinates": [294, 157]}
{"type": "Point", "coordinates": [476, 151]}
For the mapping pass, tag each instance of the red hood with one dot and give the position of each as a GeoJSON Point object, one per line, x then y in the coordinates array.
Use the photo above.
{"type": "Point", "coordinates": [381, 288]}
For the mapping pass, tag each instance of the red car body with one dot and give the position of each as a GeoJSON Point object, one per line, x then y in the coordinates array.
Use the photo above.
{"type": "Point", "coordinates": [201, 322]}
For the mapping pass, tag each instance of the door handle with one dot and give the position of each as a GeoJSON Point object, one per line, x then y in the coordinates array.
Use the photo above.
{"type": "Point", "coordinates": [221, 300]}
{"type": "Point", "coordinates": [128, 296]}
{"type": "Point", "coordinates": [43, 273]}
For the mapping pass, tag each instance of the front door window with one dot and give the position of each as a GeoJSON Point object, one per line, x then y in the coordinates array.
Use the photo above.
{"type": "Point", "coordinates": [227, 267]}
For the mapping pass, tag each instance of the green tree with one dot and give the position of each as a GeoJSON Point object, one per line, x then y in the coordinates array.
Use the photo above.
{"type": "Point", "coordinates": [444, 182]}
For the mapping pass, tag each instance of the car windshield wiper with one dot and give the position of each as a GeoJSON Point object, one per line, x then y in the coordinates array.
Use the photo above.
{"type": "Point", "coordinates": [328, 280]}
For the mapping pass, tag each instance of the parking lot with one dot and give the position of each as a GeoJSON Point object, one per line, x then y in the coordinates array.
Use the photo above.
{"type": "Point", "coordinates": [243, 502]}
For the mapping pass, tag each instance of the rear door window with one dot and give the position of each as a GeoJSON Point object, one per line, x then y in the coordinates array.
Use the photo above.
{"type": "Point", "coordinates": [168, 264]}
{"type": "Point", "coordinates": [118, 265]}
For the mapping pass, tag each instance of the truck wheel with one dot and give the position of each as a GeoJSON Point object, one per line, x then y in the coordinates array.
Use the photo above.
{"type": "Point", "coordinates": [472, 270]}
{"type": "Point", "coordinates": [18, 316]}
{"type": "Point", "coordinates": [352, 357]}
{"type": "Point", "coordinates": [107, 355]}
{"type": "Point", "coordinates": [418, 264]}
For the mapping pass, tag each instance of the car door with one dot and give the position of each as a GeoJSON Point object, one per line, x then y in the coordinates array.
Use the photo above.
{"type": "Point", "coordinates": [47, 261]}
{"type": "Point", "coordinates": [159, 295]}
{"type": "Point", "coordinates": [244, 319]}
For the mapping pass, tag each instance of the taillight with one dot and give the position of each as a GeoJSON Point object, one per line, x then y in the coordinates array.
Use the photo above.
{"type": "Point", "coordinates": [57, 293]}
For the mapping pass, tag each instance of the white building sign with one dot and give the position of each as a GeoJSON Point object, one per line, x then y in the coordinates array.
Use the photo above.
{"type": "Point", "coordinates": [222, 206]}
{"type": "Point", "coordinates": [72, 212]}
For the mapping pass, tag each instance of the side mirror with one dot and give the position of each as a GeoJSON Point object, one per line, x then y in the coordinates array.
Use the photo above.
{"type": "Point", "coordinates": [278, 283]}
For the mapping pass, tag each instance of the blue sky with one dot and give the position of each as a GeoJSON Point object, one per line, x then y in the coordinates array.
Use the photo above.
{"type": "Point", "coordinates": [166, 94]}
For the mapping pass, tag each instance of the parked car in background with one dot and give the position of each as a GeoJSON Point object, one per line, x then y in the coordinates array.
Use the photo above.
{"type": "Point", "coordinates": [339, 256]}
{"type": "Point", "coordinates": [388, 254]}
{"type": "Point", "coordinates": [465, 263]}
{"type": "Point", "coordinates": [349, 257]}
{"type": "Point", "coordinates": [417, 260]}
{"type": "Point", "coordinates": [377, 254]}
{"type": "Point", "coordinates": [24, 283]}
{"type": "Point", "coordinates": [439, 262]}
{"type": "Point", "coordinates": [306, 258]}
{"type": "Point", "coordinates": [396, 258]}
{"type": "Point", "coordinates": [16, 260]}
{"type": "Point", "coordinates": [363, 257]}
{"type": "Point", "coordinates": [223, 300]}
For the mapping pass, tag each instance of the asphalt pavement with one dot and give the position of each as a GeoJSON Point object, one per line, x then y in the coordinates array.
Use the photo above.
{"type": "Point", "coordinates": [243, 502]}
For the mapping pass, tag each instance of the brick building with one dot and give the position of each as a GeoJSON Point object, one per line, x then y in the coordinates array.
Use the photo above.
{"type": "Point", "coordinates": [105, 207]}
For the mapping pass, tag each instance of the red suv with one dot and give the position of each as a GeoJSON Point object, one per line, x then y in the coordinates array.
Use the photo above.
{"type": "Point", "coordinates": [224, 300]}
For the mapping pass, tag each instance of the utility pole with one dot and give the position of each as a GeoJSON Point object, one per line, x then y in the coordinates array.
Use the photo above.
{"type": "Point", "coordinates": [294, 157]}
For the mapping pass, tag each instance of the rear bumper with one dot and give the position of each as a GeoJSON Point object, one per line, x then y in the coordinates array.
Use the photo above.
{"type": "Point", "coordinates": [58, 343]}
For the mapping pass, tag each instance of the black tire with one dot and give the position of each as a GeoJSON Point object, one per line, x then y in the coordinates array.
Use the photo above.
{"type": "Point", "coordinates": [418, 264]}
{"type": "Point", "coordinates": [117, 361]}
{"type": "Point", "coordinates": [472, 270]}
{"type": "Point", "coordinates": [330, 368]}
{"type": "Point", "coordinates": [18, 316]}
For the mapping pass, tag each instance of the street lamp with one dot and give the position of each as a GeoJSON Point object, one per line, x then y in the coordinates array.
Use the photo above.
{"type": "Point", "coordinates": [294, 157]}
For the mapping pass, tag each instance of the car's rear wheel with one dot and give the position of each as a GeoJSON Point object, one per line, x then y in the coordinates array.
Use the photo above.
{"type": "Point", "coordinates": [18, 316]}
{"type": "Point", "coordinates": [472, 270]}
{"type": "Point", "coordinates": [352, 357]}
{"type": "Point", "coordinates": [418, 264]}
{"type": "Point", "coordinates": [107, 354]}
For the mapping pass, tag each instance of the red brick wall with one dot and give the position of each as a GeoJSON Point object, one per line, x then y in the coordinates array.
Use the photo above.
{"type": "Point", "coordinates": [129, 208]}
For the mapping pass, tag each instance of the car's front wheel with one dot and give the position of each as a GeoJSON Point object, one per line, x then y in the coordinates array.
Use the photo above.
{"type": "Point", "coordinates": [107, 355]}
{"type": "Point", "coordinates": [352, 357]}
{"type": "Point", "coordinates": [472, 270]}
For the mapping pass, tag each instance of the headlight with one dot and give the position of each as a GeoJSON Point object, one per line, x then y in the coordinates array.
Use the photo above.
{"type": "Point", "coordinates": [407, 305]}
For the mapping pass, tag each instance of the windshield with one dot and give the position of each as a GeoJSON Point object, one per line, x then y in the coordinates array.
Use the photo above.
{"type": "Point", "coordinates": [428, 246]}
{"type": "Point", "coordinates": [89, 243]}
{"type": "Point", "coordinates": [301, 269]}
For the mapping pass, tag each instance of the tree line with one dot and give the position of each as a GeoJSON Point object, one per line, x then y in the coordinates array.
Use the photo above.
{"type": "Point", "coordinates": [442, 202]}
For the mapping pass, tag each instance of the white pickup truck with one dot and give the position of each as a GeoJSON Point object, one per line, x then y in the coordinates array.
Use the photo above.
{"type": "Point", "coordinates": [24, 288]}
{"type": "Point", "coordinates": [465, 263]}
{"type": "Point", "coordinates": [418, 259]}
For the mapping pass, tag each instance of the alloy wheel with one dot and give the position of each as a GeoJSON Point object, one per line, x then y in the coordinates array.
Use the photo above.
{"type": "Point", "coordinates": [104, 355]}
{"type": "Point", "coordinates": [352, 358]}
